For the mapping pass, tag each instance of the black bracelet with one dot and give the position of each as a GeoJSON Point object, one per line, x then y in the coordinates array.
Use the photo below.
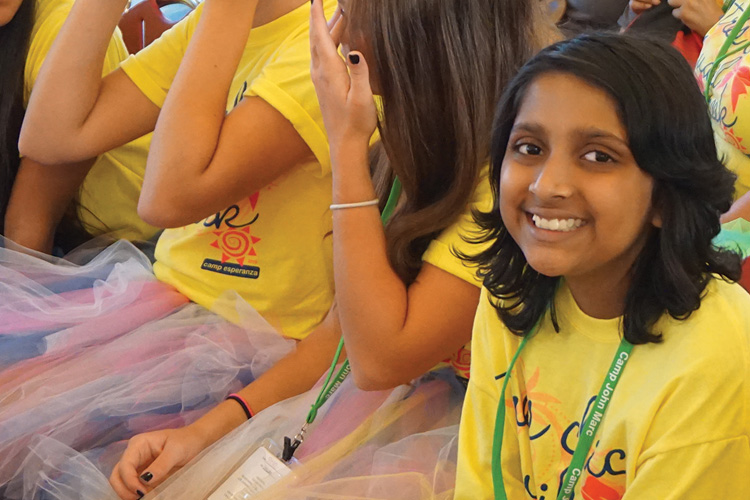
{"type": "Point", "coordinates": [242, 403]}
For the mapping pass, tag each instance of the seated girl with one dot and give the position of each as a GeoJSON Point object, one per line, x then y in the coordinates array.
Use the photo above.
{"type": "Point", "coordinates": [437, 112]}
{"type": "Point", "coordinates": [239, 169]}
{"type": "Point", "coordinates": [103, 188]}
{"type": "Point", "coordinates": [610, 348]}
{"type": "Point", "coordinates": [721, 71]}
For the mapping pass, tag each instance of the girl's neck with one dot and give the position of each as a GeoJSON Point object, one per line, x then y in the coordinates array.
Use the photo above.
{"type": "Point", "coordinates": [270, 10]}
{"type": "Point", "coordinates": [598, 298]}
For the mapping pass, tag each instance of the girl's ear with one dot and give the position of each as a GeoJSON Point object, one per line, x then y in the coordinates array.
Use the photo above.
{"type": "Point", "coordinates": [656, 209]}
{"type": "Point", "coordinates": [656, 218]}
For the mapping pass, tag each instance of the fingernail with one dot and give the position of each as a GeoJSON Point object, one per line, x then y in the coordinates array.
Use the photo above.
{"type": "Point", "coordinates": [354, 58]}
{"type": "Point", "coordinates": [146, 477]}
{"type": "Point", "coordinates": [139, 493]}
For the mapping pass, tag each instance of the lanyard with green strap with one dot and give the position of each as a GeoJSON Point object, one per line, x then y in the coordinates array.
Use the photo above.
{"type": "Point", "coordinates": [587, 430]}
{"type": "Point", "coordinates": [331, 384]}
{"type": "Point", "coordinates": [724, 51]}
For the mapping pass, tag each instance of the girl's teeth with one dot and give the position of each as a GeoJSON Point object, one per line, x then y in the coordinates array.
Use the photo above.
{"type": "Point", "coordinates": [563, 225]}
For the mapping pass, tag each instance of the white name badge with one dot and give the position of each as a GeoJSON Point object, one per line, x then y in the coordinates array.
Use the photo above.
{"type": "Point", "coordinates": [261, 470]}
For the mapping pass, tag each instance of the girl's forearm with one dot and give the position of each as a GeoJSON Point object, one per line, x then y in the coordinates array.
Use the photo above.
{"type": "Point", "coordinates": [292, 375]}
{"type": "Point", "coordinates": [40, 197]}
{"type": "Point", "coordinates": [69, 81]}
{"type": "Point", "coordinates": [194, 110]}
{"type": "Point", "coordinates": [371, 297]}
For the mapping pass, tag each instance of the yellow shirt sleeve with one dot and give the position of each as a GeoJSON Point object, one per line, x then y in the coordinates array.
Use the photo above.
{"type": "Point", "coordinates": [283, 82]}
{"type": "Point", "coordinates": [473, 477]}
{"type": "Point", "coordinates": [716, 469]}
{"type": "Point", "coordinates": [49, 18]}
{"type": "Point", "coordinates": [286, 85]}
{"type": "Point", "coordinates": [153, 69]}
{"type": "Point", "coordinates": [443, 252]}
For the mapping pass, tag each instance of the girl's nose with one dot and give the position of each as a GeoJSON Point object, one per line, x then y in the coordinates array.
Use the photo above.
{"type": "Point", "coordinates": [553, 179]}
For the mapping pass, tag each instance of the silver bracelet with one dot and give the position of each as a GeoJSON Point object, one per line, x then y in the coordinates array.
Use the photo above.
{"type": "Point", "coordinates": [370, 203]}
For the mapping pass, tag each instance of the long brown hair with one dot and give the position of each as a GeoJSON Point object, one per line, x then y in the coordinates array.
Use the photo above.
{"type": "Point", "coordinates": [442, 65]}
{"type": "Point", "coordinates": [14, 44]}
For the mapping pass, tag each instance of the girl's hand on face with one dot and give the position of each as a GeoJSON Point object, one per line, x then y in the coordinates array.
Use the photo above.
{"type": "Point", "coordinates": [151, 457]}
{"type": "Point", "coordinates": [345, 97]}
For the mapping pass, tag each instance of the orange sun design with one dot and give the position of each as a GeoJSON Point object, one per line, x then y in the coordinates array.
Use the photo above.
{"type": "Point", "coordinates": [237, 244]}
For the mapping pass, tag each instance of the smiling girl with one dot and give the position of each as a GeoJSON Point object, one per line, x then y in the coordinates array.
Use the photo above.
{"type": "Point", "coordinates": [611, 353]}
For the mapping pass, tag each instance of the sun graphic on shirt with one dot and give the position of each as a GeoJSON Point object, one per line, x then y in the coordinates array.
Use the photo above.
{"type": "Point", "coordinates": [237, 243]}
{"type": "Point", "coordinates": [549, 421]}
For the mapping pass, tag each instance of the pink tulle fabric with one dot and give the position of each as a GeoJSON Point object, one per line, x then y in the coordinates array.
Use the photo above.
{"type": "Point", "coordinates": [398, 444]}
{"type": "Point", "coordinates": [94, 352]}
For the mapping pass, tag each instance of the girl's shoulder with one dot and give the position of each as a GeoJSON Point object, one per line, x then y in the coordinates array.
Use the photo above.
{"type": "Point", "coordinates": [716, 336]}
{"type": "Point", "coordinates": [724, 305]}
{"type": "Point", "coordinates": [727, 298]}
{"type": "Point", "coordinates": [51, 11]}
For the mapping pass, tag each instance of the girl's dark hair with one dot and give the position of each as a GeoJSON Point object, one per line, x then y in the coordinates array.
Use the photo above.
{"type": "Point", "coordinates": [442, 65]}
{"type": "Point", "coordinates": [14, 45]}
{"type": "Point", "coordinates": [671, 139]}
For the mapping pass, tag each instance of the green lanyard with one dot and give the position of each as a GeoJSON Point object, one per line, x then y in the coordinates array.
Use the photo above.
{"type": "Point", "coordinates": [587, 430]}
{"type": "Point", "coordinates": [724, 50]}
{"type": "Point", "coordinates": [331, 386]}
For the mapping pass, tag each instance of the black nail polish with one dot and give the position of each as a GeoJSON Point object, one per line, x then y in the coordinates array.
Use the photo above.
{"type": "Point", "coordinates": [139, 493]}
{"type": "Point", "coordinates": [354, 58]}
{"type": "Point", "coordinates": [146, 477]}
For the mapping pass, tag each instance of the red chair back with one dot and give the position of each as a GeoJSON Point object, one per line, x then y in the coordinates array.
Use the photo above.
{"type": "Point", "coordinates": [745, 279]}
{"type": "Point", "coordinates": [142, 24]}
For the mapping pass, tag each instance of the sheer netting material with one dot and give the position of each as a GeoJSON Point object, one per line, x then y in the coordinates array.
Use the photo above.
{"type": "Point", "coordinates": [94, 353]}
{"type": "Point", "coordinates": [397, 444]}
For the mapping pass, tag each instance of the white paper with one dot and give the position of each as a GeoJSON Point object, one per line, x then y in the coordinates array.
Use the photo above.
{"type": "Point", "coordinates": [260, 470]}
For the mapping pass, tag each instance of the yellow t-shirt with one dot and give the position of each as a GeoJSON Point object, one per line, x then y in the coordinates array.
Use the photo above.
{"type": "Point", "coordinates": [677, 426]}
{"type": "Point", "coordinates": [729, 104]}
{"type": "Point", "coordinates": [442, 253]}
{"type": "Point", "coordinates": [109, 195]}
{"type": "Point", "coordinates": [274, 247]}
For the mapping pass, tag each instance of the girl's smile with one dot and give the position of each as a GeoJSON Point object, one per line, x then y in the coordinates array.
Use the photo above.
{"type": "Point", "coordinates": [571, 194]}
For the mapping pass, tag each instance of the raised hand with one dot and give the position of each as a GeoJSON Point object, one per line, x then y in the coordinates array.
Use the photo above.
{"type": "Point", "coordinates": [698, 15]}
{"type": "Point", "coordinates": [345, 97]}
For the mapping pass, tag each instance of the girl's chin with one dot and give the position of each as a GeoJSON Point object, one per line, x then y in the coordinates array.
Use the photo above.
{"type": "Point", "coordinates": [549, 274]}
{"type": "Point", "coordinates": [547, 268]}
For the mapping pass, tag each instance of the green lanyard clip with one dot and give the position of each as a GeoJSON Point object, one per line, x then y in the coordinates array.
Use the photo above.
{"type": "Point", "coordinates": [331, 386]}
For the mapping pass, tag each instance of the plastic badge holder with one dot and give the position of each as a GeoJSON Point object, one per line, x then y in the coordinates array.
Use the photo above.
{"type": "Point", "coordinates": [259, 471]}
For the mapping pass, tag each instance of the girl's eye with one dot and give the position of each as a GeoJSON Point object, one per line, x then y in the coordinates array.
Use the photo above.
{"type": "Point", "coordinates": [528, 149]}
{"type": "Point", "coordinates": [598, 157]}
